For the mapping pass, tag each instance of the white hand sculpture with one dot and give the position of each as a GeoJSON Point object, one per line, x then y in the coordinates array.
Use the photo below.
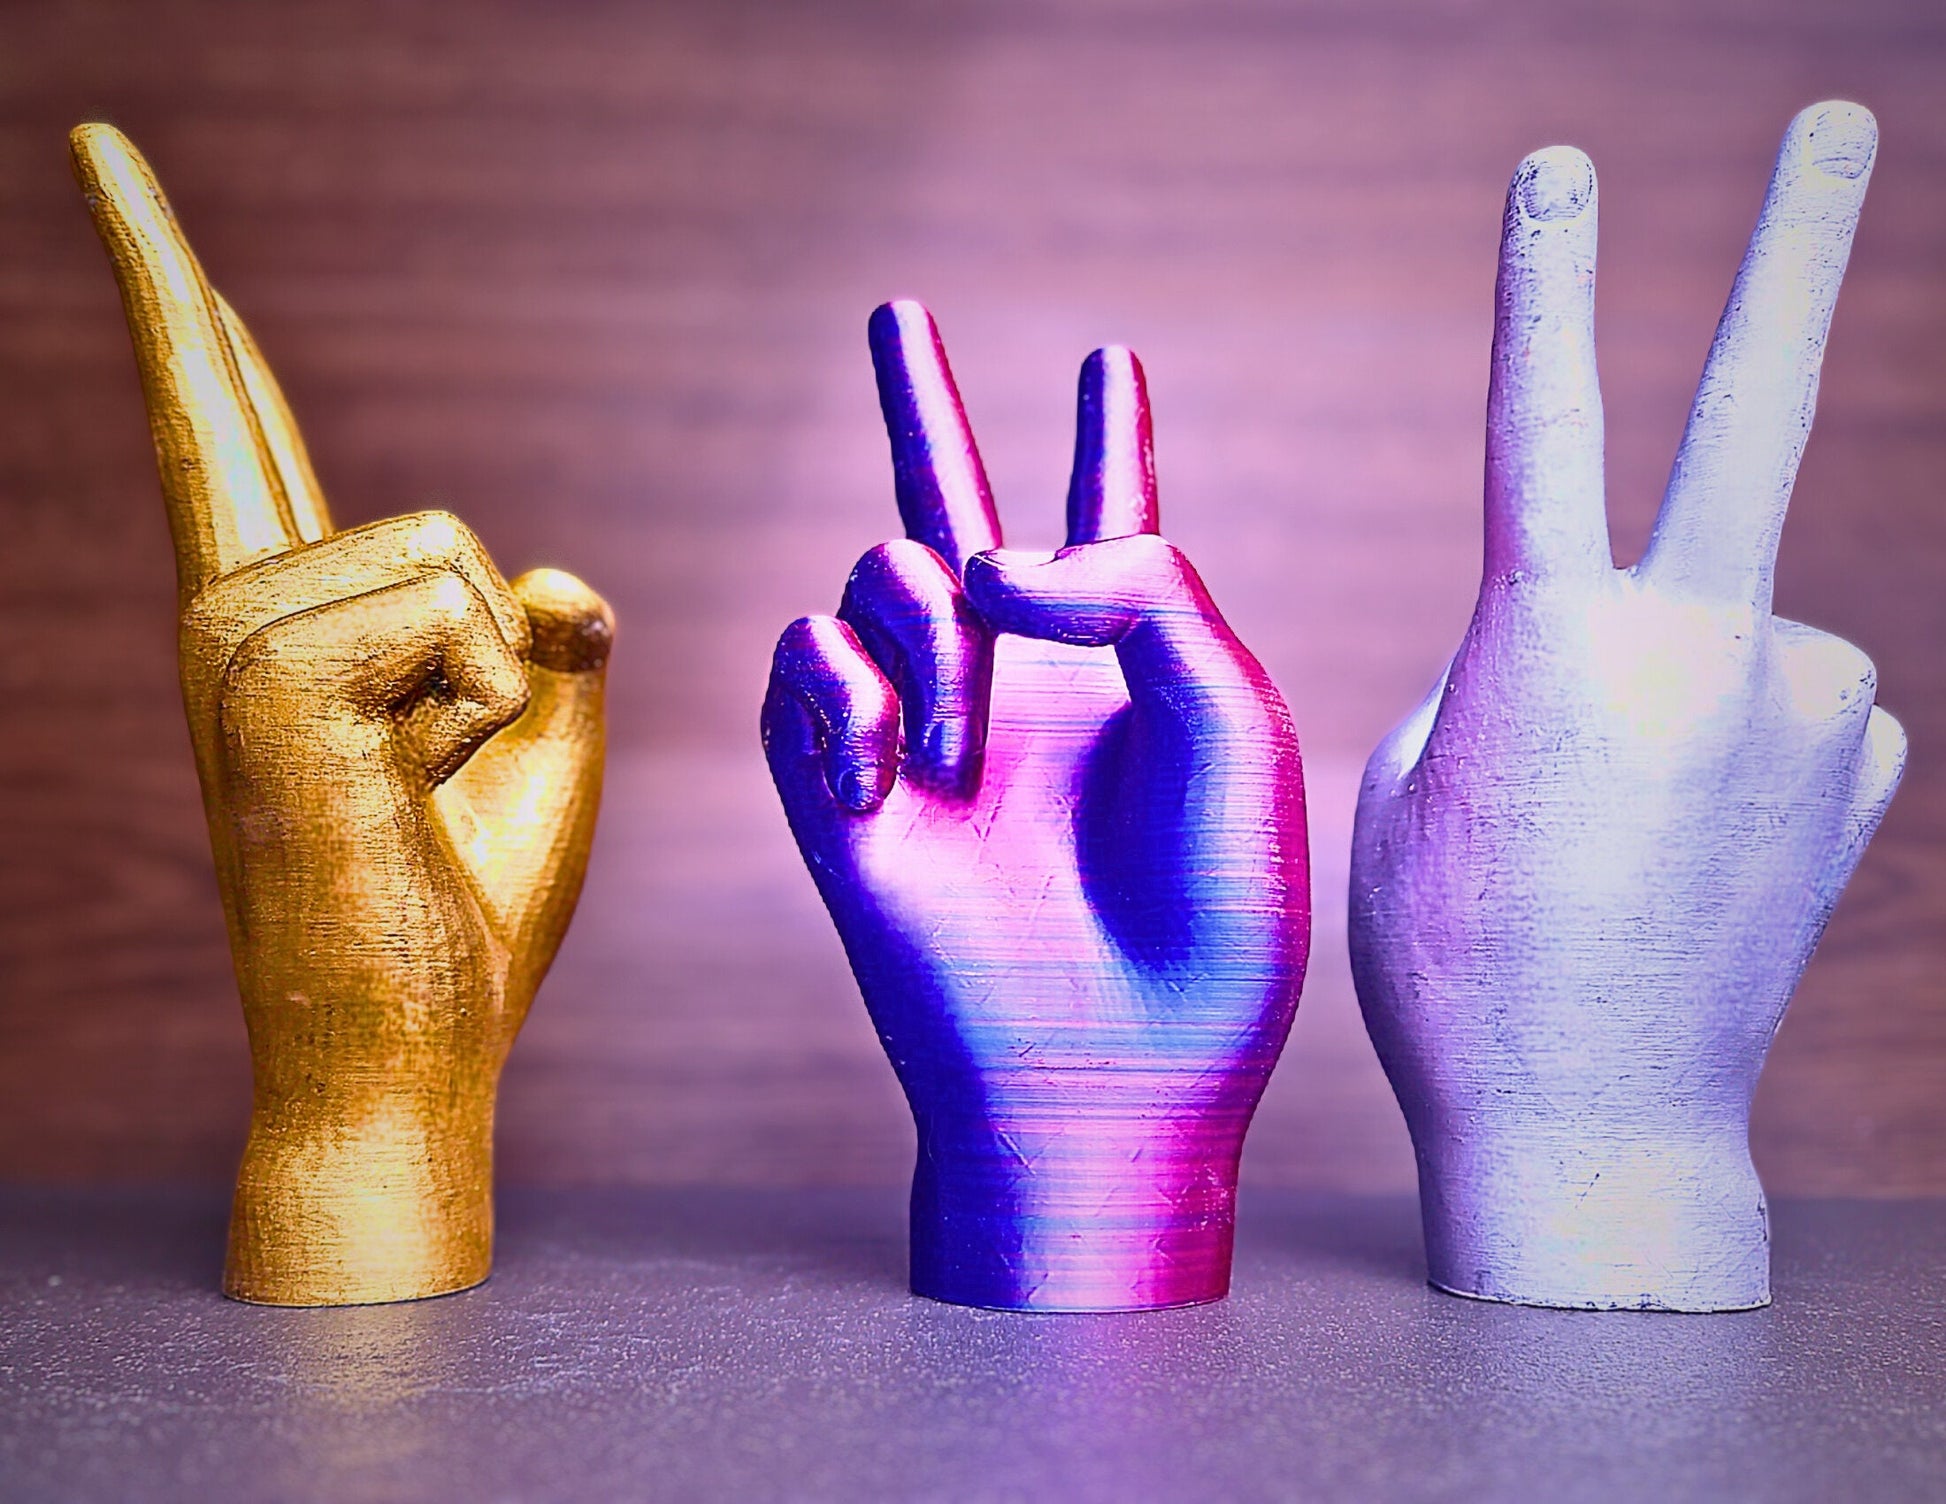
{"type": "Point", "coordinates": [1588, 871]}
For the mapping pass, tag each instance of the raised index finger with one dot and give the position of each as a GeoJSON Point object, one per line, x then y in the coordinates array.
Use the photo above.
{"type": "Point", "coordinates": [225, 509]}
{"type": "Point", "coordinates": [943, 494]}
{"type": "Point", "coordinates": [1724, 511]}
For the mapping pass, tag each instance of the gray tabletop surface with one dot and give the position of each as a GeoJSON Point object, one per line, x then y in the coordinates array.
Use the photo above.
{"type": "Point", "coordinates": [757, 1345]}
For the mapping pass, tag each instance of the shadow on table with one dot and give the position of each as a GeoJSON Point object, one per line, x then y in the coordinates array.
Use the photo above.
{"type": "Point", "coordinates": [855, 1239]}
{"type": "Point", "coordinates": [1295, 1233]}
{"type": "Point", "coordinates": [844, 1237]}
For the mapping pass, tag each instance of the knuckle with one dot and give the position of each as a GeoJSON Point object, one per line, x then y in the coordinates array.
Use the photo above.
{"type": "Point", "coordinates": [1157, 564]}
{"type": "Point", "coordinates": [819, 658]}
{"type": "Point", "coordinates": [908, 556]}
{"type": "Point", "coordinates": [877, 559]}
{"type": "Point", "coordinates": [506, 692]}
{"type": "Point", "coordinates": [205, 630]}
{"type": "Point", "coordinates": [439, 535]}
{"type": "Point", "coordinates": [898, 567]}
{"type": "Point", "coordinates": [1865, 676]}
{"type": "Point", "coordinates": [1852, 669]}
{"type": "Point", "coordinates": [874, 569]}
{"type": "Point", "coordinates": [262, 658]}
{"type": "Point", "coordinates": [1887, 735]}
{"type": "Point", "coordinates": [450, 596]}
{"type": "Point", "coordinates": [487, 675]}
{"type": "Point", "coordinates": [812, 650]}
{"type": "Point", "coordinates": [1150, 550]}
{"type": "Point", "coordinates": [803, 637]}
{"type": "Point", "coordinates": [1825, 675]}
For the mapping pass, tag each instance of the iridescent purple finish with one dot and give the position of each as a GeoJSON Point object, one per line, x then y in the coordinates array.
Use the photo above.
{"type": "Point", "coordinates": [1589, 869]}
{"type": "Point", "coordinates": [1080, 920]}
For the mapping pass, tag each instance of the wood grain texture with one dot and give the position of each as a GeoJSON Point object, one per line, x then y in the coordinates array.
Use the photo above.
{"type": "Point", "coordinates": [596, 278]}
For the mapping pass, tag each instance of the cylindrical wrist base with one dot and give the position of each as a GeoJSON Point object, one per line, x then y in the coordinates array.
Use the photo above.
{"type": "Point", "coordinates": [1644, 1226]}
{"type": "Point", "coordinates": [360, 1218]}
{"type": "Point", "coordinates": [1118, 1235]}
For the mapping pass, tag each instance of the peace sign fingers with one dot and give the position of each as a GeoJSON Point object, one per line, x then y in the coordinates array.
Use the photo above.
{"type": "Point", "coordinates": [226, 506]}
{"type": "Point", "coordinates": [1721, 519]}
{"type": "Point", "coordinates": [944, 498]}
{"type": "Point", "coordinates": [1111, 493]}
{"type": "Point", "coordinates": [1545, 514]}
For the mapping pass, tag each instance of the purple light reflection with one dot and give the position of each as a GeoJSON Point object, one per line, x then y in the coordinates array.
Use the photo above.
{"type": "Point", "coordinates": [1075, 892]}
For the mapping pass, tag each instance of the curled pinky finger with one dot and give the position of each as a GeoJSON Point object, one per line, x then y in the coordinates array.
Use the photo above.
{"type": "Point", "coordinates": [830, 720]}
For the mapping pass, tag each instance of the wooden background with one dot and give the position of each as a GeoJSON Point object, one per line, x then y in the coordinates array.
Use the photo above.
{"type": "Point", "coordinates": [595, 276]}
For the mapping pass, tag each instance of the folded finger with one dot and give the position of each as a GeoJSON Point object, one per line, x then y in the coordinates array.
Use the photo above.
{"type": "Point", "coordinates": [1142, 597]}
{"type": "Point", "coordinates": [911, 616]}
{"type": "Point", "coordinates": [343, 566]}
{"type": "Point", "coordinates": [424, 652]}
{"type": "Point", "coordinates": [830, 720]}
{"type": "Point", "coordinates": [521, 812]}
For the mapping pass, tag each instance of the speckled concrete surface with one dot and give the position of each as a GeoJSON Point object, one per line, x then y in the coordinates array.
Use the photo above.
{"type": "Point", "coordinates": [760, 1345]}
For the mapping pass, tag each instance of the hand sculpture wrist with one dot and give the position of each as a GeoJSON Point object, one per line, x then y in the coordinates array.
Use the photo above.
{"type": "Point", "coordinates": [1074, 893]}
{"type": "Point", "coordinates": [390, 1205]}
{"type": "Point", "coordinates": [1588, 871]}
{"type": "Point", "coordinates": [1602, 1215]}
{"type": "Point", "coordinates": [1131, 1213]}
{"type": "Point", "coordinates": [400, 755]}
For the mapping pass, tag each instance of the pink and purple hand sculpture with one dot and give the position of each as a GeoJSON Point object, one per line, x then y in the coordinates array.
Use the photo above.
{"type": "Point", "coordinates": [1075, 891]}
{"type": "Point", "coordinates": [1589, 869]}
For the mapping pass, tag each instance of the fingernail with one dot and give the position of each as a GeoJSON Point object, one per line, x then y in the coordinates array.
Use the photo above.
{"type": "Point", "coordinates": [857, 790]}
{"type": "Point", "coordinates": [1841, 138]}
{"type": "Point", "coordinates": [1556, 184]}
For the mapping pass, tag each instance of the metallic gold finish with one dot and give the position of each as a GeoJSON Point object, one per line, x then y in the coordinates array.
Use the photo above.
{"type": "Point", "coordinates": [401, 759]}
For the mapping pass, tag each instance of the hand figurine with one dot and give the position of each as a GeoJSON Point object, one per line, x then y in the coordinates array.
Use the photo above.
{"type": "Point", "coordinates": [1080, 922]}
{"type": "Point", "coordinates": [400, 757]}
{"type": "Point", "coordinates": [1589, 869]}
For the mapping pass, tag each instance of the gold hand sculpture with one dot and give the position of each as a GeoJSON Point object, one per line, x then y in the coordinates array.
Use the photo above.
{"type": "Point", "coordinates": [401, 759]}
